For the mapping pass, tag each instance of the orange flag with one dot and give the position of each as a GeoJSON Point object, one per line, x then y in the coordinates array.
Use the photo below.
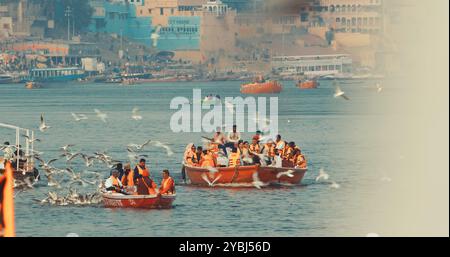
{"type": "Point", "coordinates": [7, 204]}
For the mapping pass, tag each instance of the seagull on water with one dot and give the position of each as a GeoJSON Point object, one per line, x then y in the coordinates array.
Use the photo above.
{"type": "Point", "coordinates": [43, 127]}
{"type": "Point", "coordinates": [335, 185]}
{"type": "Point", "coordinates": [339, 93]}
{"type": "Point", "coordinates": [135, 114]}
{"type": "Point", "coordinates": [322, 175]}
{"type": "Point", "coordinates": [101, 115]}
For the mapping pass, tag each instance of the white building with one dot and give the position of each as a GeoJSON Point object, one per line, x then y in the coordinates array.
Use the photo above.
{"type": "Point", "coordinates": [312, 65]}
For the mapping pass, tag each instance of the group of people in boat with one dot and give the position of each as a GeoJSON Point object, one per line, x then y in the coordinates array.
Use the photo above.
{"type": "Point", "coordinates": [137, 181]}
{"type": "Point", "coordinates": [275, 153]}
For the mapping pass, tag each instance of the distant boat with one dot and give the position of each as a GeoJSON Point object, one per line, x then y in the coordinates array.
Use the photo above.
{"type": "Point", "coordinates": [32, 85]}
{"type": "Point", "coordinates": [307, 84]}
{"type": "Point", "coordinates": [56, 74]}
{"type": "Point", "coordinates": [262, 86]}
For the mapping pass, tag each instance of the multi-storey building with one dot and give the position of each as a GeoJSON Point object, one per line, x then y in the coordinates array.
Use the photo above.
{"type": "Point", "coordinates": [353, 16]}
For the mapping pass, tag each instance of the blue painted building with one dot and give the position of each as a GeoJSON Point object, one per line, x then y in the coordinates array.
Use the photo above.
{"type": "Point", "coordinates": [119, 17]}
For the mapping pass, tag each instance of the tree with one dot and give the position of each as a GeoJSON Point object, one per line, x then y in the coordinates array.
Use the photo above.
{"type": "Point", "coordinates": [81, 13]}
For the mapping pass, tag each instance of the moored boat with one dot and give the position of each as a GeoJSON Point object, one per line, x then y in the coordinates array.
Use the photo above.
{"type": "Point", "coordinates": [117, 200]}
{"type": "Point", "coordinates": [32, 84]}
{"type": "Point", "coordinates": [261, 86]}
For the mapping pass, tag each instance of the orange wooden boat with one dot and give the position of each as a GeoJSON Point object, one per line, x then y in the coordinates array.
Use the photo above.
{"type": "Point", "coordinates": [117, 200]}
{"type": "Point", "coordinates": [266, 87]}
{"type": "Point", "coordinates": [223, 176]}
{"type": "Point", "coordinates": [308, 84]}
{"type": "Point", "coordinates": [271, 175]}
{"type": "Point", "coordinates": [243, 175]}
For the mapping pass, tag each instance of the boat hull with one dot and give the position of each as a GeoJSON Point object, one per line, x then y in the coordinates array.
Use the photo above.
{"type": "Point", "coordinates": [223, 176]}
{"type": "Point", "coordinates": [115, 200]}
{"type": "Point", "coordinates": [271, 175]}
{"type": "Point", "coordinates": [270, 87]}
{"type": "Point", "coordinates": [243, 175]}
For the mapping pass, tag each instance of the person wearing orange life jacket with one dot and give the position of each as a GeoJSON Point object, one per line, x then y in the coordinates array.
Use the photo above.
{"type": "Point", "coordinates": [190, 157]}
{"type": "Point", "coordinates": [199, 155]}
{"type": "Point", "coordinates": [234, 159]}
{"type": "Point", "coordinates": [300, 160]}
{"type": "Point", "coordinates": [128, 176]}
{"type": "Point", "coordinates": [113, 183]}
{"type": "Point", "coordinates": [144, 184]}
{"type": "Point", "coordinates": [167, 184]}
{"type": "Point", "coordinates": [279, 144]}
{"type": "Point", "coordinates": [208, 159]}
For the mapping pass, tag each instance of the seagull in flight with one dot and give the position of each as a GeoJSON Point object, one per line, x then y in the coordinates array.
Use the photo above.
{"type": "Point", "coordinates": [101, 115]}
{"type": "Point", "coordinates": [256, 182]}
{"type": "Point", "coordinates": [322, 175]}
{"type": "Point", "coordinates": [289, 173]}
{"type": "Point", "coordinates": [211, 184]}
{"type": "Point", "coordinates": [339, 93]}
{"type": "Point", "coordinates": [43, 127]}
{"type": "Point", "coordinates": [135, 114]}
{"type": "Point", "coordinates": [230, 107]}
{"type": "Point", "coordinates": [379, 88]}
{"type": "Point", "coordinates": [136, 146]}
{"type": "Point", "coordinates": [79, 117]}
{"type": "Point", "coordinates": [29, 140]}
{"type": "Point", "coordinates": [168, 150]}
{"type": "Point", "coordinates": [155, 36]}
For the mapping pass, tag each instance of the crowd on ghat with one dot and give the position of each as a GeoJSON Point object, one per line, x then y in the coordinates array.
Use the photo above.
{"type": "Point", "coordinates": [275, 153]}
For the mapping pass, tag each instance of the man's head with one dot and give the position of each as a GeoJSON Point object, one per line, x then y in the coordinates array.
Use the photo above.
{"type": "Point", "coordinates": [193, 147]}
{"type": "Point", "coordinates": [278, 138]}
{"type": "Point", "coordinates": [291, 144]}
{"type": "Point", "coordinates": [234, 128]}
{"type": "Point", "coordinates": [115, 173]}
{"type": "Point", "coordinates": [254, 140]}
{"type": "Point", "coordinates": [199, 149]}
{"type": "Point", "coordinates": [127, 167]}
{"type": "Point", "coordinates": [6, 143]}
{"type": "Point", "coordinates": [119, 165]}
{"type": "Point", "coordinates": [165, 173]}
{"type": "Point", "coordinates": [142, 162]}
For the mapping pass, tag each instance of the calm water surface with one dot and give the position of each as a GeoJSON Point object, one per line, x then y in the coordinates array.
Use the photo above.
{"type": "Point", "coordinates": [334, 134]}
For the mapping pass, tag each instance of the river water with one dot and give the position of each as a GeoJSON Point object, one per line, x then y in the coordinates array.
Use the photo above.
{"type": "Point", "coordinates": [336, 135]}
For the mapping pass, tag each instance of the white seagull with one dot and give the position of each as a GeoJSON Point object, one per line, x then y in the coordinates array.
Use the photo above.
{"type": "Point", "coordinates": [101, 115]}
{"type": "Point", "coordinates": [29, 140]}
{"type": "Point", "coordinates": [322, 175]}
{"type": "Point", "coordinates": [335, 185]}
{"type": "Point", "coordinates": [135, 114]}
{"type": "Point", "coordinates": [79, 117]}
{"type": "Point", "coordinates": [168, 150]}
{"type": "Point", "coordinates": [43, 127]}
{"type": "Point", "coordinates": [211, 184]}
{"type": "Point", "coordinates": [155, 36]}
{"type": "Point", "coordinates": [256, 182]}
{"type": "Point", "coordinates": [289, 173]}
{"type": "Point", "coordinates": [339, 93]}
{"type": "Point", "coordinates": [379, 88]}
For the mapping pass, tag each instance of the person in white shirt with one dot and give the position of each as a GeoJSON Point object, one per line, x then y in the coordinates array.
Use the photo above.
{"type": "Point", "coordinates": [113, 183]}
{"type": "Point", "coordinates": [8, 152]}
{"type": "Point", "coordinates": [234, 136]}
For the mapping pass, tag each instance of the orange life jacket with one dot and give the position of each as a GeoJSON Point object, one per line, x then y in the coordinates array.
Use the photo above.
{"type": "Point", "coordinates": [128, 180]}
{"type": "Point", "coordinates": [270, 150]}
{"type": "Point", "coordinates": [167, 186]}
{"type": "Point", "coordinates": [301, 161]}
{"type": "Point", "coordinates": [190, 157]}
{"type": "Point", "coordinates": [115, 181]}
{"type": "Point", "coordinates": [150, 187]}
{"type": "Point", "coordinates": [255, 148]}
{"type": "Point", "coordinates": [208, 161]}
{"type": "Point", "coordinates": [234, 160]}
{"type": "Point", "coordinates": [143, 172]}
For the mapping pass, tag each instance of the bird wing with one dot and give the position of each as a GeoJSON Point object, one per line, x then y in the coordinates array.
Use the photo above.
{"type": "Point", "coordinates": [345, 97]}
